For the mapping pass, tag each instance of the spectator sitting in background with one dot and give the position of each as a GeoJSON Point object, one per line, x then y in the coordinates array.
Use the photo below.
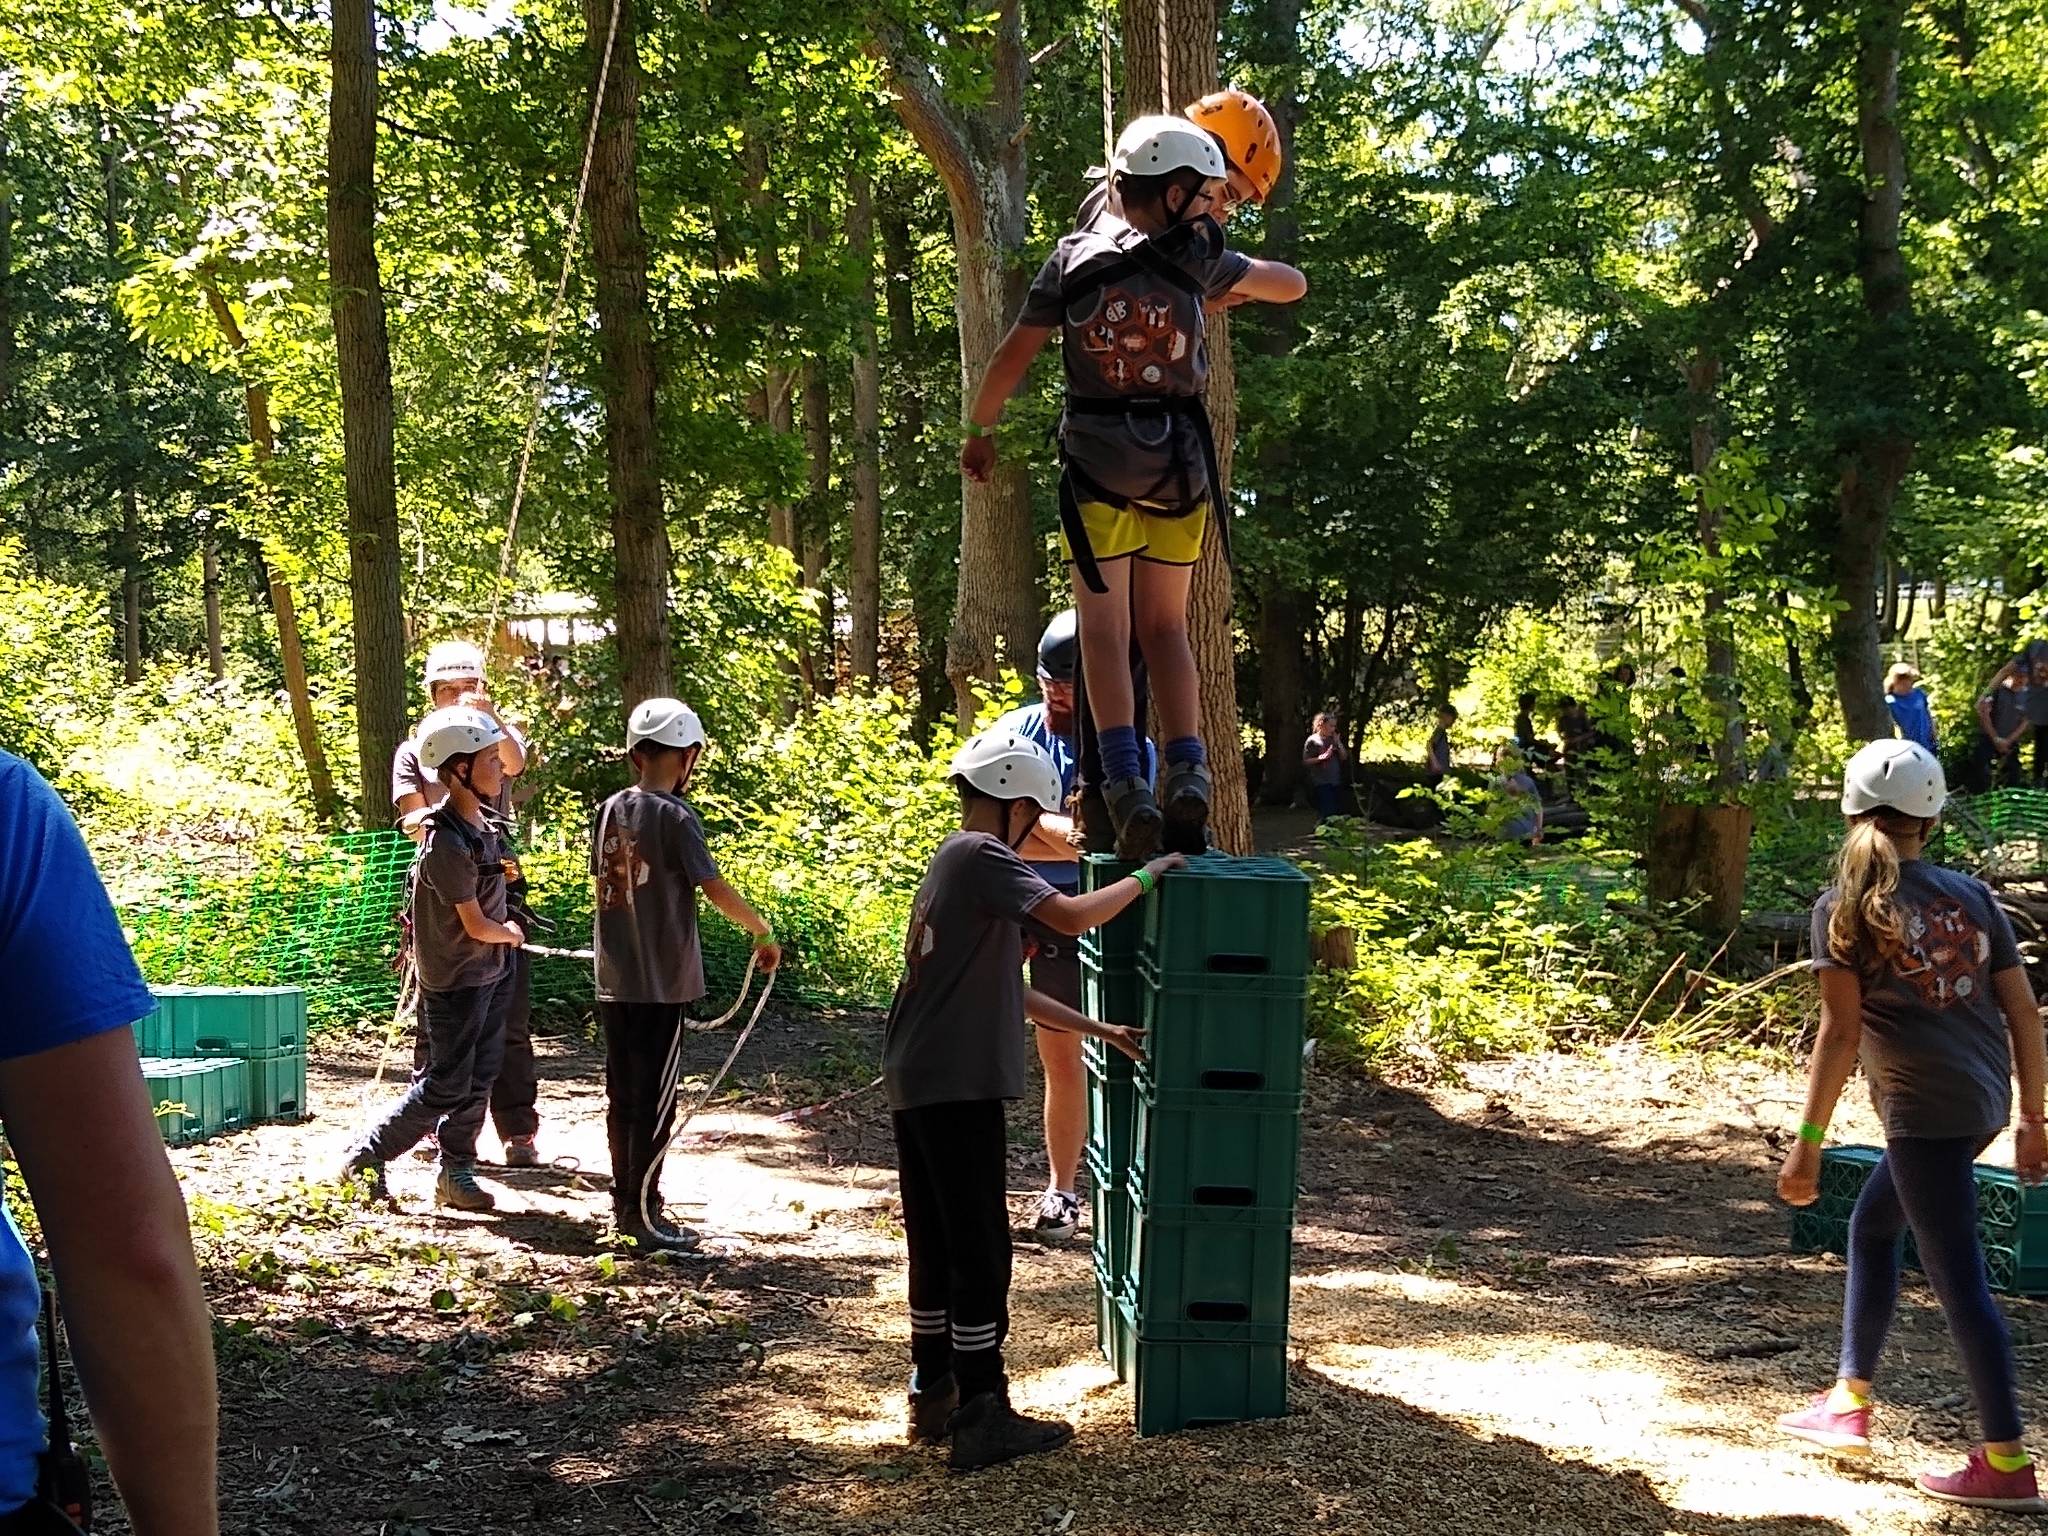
{"type": "Point", "coordinates": [1541, 753]}
{"type": "Point", "coordinates": [1438, 762]}
{"type": "Point", "coordinates": [1323, 756]}
{"type": "Point", "coordinates": [1512, 780]}
{"type": "Point", "coordinates": [1907, 700]}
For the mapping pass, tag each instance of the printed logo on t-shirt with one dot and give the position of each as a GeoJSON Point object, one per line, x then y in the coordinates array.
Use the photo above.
{"type": "Point", "coordinates": [1945, 949]}
{"type": "Point", "coordinates": [917, 944]}
{"type": "Point", "coordinates": [624, 870]}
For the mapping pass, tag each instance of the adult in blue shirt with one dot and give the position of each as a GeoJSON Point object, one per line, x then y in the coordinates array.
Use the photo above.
{"type": "Point", "coordinates": [1055, 963]}
{"type": "Point", "coordinates": [1907, 701]}
{"type": "Point", "coordinates": [84, 1133]}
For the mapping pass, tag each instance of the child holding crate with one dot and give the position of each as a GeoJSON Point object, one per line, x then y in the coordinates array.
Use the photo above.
{"type": "Point", "coordinates": [1920, 974]}
{"type": "Point", "coordinates": [952, 1055]}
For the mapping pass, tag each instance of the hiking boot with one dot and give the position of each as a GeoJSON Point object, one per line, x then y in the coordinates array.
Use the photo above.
{"type": "Point", "coordinates": [1184, 794]}
{"type": "Point", "coordinates": [932, 1408]}
{"type": "Point", "coordinates": [987, 1430]}
{"type": "Point", "coordinates": [1098, 832]}
{"type": "Point", "coordinates": [1846, 1434]}
{"type": "Point", "coordinates": [1059, 1216]}
{"type": "Point", "coordinates": [1137, 819]}
{"type": "Point", "coordinates": [458, 1190]}
{"type": "Point", "coordinates": [366, 1172]}
{"type": "Point", "coordinates": [520, 1153]}
{"type": "Point", "coordinates": [1982, 1486]}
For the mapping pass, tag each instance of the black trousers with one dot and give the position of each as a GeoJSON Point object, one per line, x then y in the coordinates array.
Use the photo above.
{"type": "Point", "coordinates": [516, 1092]}
{"type": "Point", "coordinates": [1988, 768]}
{"type": "Point", "coordinates": [953, 1163]}
{"type": "Point", "coordinates": [465, 1031]}
{"type": "Point", "coordinates": [640, 1104]}
{"type": "Point", "coordinates": [37, 1519]}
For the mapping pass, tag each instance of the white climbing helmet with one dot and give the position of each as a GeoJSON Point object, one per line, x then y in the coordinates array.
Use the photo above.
{"type": "Point", "coordinates": [1894, 775]}
{"type": "Point", "coordinates": [666, 723]}
{"type": "Point", "coordinates": [453, 661]}
{"type": "Point", "coordinates": [453, 731]}
{"type": "Point", "coordinates": [1152, 146]}
{"type": "Point", "coordinates": [1006, 766]}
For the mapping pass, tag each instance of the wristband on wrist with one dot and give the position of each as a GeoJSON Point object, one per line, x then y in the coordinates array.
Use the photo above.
{"type": "Point", "coordinates": [762, 939]}
{"type": "Point", "coordinates": [2026, 1119]}
{"type": "Point", "coordinates": [1145, 881]}
{"type": "Point", "coordinates": [1813, 1135]}
{"type": "Point", "coordinates": [976, 429]}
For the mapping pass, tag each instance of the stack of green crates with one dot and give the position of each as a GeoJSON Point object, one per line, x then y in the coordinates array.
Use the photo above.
{"type": "Point", "coordinates": [1217, 1134]}
{"type": "Point", "coordinates": [2012, 1219]}
{"type": "Point", "coordinates": [253, 1036]}
{"type": "Point", "coordinates": [1110, 993]}
{"type": "Point", "coordinates": [195, 1099]}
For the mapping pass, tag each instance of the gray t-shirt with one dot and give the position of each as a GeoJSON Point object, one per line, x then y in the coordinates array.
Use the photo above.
{"type": "Point", "coordinates": [648, 856]}
{"type": "Point", "coordinates": [956, 1029]}
{"type": "Point", "coordinates": [1440, 751]}
{"type": "Point", "coordinates": [1328, 771]}
{"type": "Point", "coordinates": [410, 776]}
{"type": "Point", "coordinates": [1935, 1044]}
{"type": "Point", "coordinates": [1139, 335]}
{"type": "Point", "coordinates": [457, 862]}
{"type": "Point", "coordinates": [2008, 710]}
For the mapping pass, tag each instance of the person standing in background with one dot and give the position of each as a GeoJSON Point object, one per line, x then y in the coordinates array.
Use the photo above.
{"type": "Point", "coordinates": [1907, 701]}
{"type": "Point", "coordinates": [1437, 763]}
{"type": "Point", "coordinates": [2001, 723]}
{"type": "Point", "coordinates": [1324, 757]}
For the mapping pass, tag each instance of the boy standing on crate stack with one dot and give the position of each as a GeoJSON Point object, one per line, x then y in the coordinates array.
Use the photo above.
{"type": "Point", "coordinates": [952, 1056]}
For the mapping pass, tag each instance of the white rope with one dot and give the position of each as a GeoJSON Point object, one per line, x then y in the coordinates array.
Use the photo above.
{"type": "Point", "coordinates": [547, 355]}
{"type": "Point", "coordinates": [1165, 64]}
{"type": "Point", "coordinates": [1108, 96]}
{"type": "Point", "coordinates": [672, 1080]}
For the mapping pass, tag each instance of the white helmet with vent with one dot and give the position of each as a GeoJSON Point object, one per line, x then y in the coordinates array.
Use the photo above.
{"type": "Point", "coordinates": [453, 661]}
{"type": "Point", "coordinates": [453, 731]}
{"type": "Point", "coordinates": [1153, 146]}
{"type": "Point", "coordinates": [666, 723]}
{"type": "Point", "coordinates": [1006, 766]}
{"type": "Point", "coordinates": [1896, 775]}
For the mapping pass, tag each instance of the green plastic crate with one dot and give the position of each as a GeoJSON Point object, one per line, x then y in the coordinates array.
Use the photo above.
{"type": "Point", "coordinates": [1206, 1264]}
{"type": "Point", "coordinates": [1112, 1108]}
{"type": "Point", "coordinates": [234, 1021]}
{"type": "Point", "coordinates": [1111, 995]}
{"type": "Point", "coordinates": [1109, 1216]}
{"type": "Point", "coordinates": [1186, 1384]}
{"type": "Point", "coordinates": [153, 1033]}
{"type": "Point", "coordinates": [1113, 1334]}
{"type": "Point", "coordinates": [1816, 1232]}
{"type": "Point", "coordinates": [1222, 1038]}
{"type": "Point", "coordinates": [195, 1099]}
{"type": "Point", "coordinates": [1215, 1149]}
{"type": "Point", "coordinates": [1117, 942]}
{"type": "Point", "coordinates": [276, 1084]}
{"type": "Point", "coordinates": [1843, 1173]}
{"type": "Point", "coordinates": [1224, 917]}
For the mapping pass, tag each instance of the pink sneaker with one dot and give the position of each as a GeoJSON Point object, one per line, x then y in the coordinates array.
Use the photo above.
{"type": "Point", "coordinates": [1982, 1486]}
{"type": "Point", "coordinates": [1818, 1424]}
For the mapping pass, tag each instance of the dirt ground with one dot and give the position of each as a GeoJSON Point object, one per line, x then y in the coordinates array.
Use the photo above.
{"type": "Point", "coordinates": [1553, 1298]}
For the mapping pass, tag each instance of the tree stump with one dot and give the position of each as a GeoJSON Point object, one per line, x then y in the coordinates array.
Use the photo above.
{"type": "Point", "coordinates": [1700, 854]}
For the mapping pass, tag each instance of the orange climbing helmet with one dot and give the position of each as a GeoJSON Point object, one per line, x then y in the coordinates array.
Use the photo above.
{"type": "Point", "coordinates": [1250, 139]}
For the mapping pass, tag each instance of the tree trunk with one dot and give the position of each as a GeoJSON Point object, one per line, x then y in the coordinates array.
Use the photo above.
{"type": "Point", "coordinates": [979, 155]}
{"type": "Point", "coordinates": [816, 533]}
{"type": "Point", "coordinates": [6, 271]}
{"type": "Point", "coordinates": [864, 558]}
{"type": "Point", "coordinates": [363, 358]}
{"type": "Point", "coordinates": [640, 549]}
{"type": "Point", "coordinates": [1722, 683]}
{"type": "Point", "coordinates": [209, 591]}
{"type": "Point", "coordinates": [1911, 604]}
{"type": "Point", "coordinates": [1880, 452]}
{"type": "Point", "coordinates": [263, 449]}
{"type": "Point", "coordinates": [777, 408]}
{"type": "Point", "coordinates": [1888, 616]}
{"type": "Point", "coordinates": [1937, 600]}
{"type": "Point", "coordinates": [899, 261]}
{"type": "Point", "coordinates": [131, 585]}
{"type": "Point", "coordinates": [129, 541]}
{"type": "Point", "coordinates": [1795, 667]}
{"type": "Point", "coordinates": [1282, 707]}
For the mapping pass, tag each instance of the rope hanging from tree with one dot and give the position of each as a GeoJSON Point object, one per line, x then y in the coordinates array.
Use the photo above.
{"type": "Point", "coordinates": [1108, 95]}
{"type": "Point", "coordinates": [1165, 62]}
{"type": "Point", "coordinates": [547, 354]}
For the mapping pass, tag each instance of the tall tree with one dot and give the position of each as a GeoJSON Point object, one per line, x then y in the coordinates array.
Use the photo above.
{"type": "Point", "coordinates": [640, 548]}
{"type": "Point", "coordinates": [864, 552]}
{"type": "Point", "coordinates": [976, 143]}
{"type": "Point", "coordinates": [363, 360]}
{"type": "Point", "coordinates": [128, 543]}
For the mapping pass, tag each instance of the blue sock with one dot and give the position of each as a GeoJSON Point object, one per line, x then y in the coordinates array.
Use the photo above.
{"type": "Point", "coordinates": [1119, 745]}
{"type": "Point", "coordinates": [1186, 749]}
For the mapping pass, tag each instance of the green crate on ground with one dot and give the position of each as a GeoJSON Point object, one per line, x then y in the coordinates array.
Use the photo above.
{"type": "Point", "coordinates": [153, 1032]}
{"type": "Point", "coordinates": [1208, 1033]}
{"type": "Point", "coordinates": [1117, 942]}
{"type": "Point", "coordinates": [1187, 1384]}
{"type": "Point", "coordinates": [276, 1084]}
{"type": "Point", "coordinates": [1113, 1334]}
{"type": "Point", "coordinates": [1216, 1149]}
{"type": "Point", "coordinates": [195, 1099]}
{"type": "Point", "coordinates": [235, 1021]}
{"type": "Point", "coordinates": [1843, 1173]}
{"type": "Point", "coordinates": [1229, 917]}
{"type": "Point", "coordinates": [1205, 1264]}
{"type": "Point", "coordinates": [1110, 995]}
{"type": "Point", "coordinates": [1815, 1232]}
{"type": "Point", "coordinates": [1109, 1216]}
{"type": "Point", "coordinates": [1112, 1107]}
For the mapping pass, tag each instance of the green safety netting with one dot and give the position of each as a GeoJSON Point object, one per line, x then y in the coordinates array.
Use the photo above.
{"type": "Point", "coordinates": [1549, 885]}
{"type": "Point", "coordinates": [2000, 832]}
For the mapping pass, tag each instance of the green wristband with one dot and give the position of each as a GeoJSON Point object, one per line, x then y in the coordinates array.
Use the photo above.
{"type": "Point", "coordinates": [1145, 881]}
{"type": "Point", "coordinates": [1813, 1135]}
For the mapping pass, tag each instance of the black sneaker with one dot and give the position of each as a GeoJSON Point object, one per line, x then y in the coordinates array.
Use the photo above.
{"type": "Point", "coordinates": [657, 1236]}
{"type": "Point", "coordinates": [367, 1173]}
{"type": "Point", "coordinates": [1059, 1215]}
{"type": "Point", "coordinates": [458, 1190]}
{"type": "Point", "coordinates": [1184, 794]}
{"type": "Point", "coordinates": [932, 1409]}
{"type": "Point", "coordinates": [987, 1431]}
{"type": "Point", "coordinates": [1137, 818]}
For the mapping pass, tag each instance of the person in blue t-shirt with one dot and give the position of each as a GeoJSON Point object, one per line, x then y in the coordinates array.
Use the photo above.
{"type": "Point", "coordinates": [1907, 701]}
{"type": "Point", "coordinates": [110, 1208]}
{"type": "Point", "coordinates": [1051, 852]}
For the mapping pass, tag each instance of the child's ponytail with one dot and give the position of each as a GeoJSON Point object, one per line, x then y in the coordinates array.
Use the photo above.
{"type": "Point", "coordinates": [1866, 928]}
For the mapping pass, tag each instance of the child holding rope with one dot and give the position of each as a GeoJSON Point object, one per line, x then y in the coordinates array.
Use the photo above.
{"type": "Point", "coordinates": [463, 946]}
{"type": "Point", "coordinates": [1919, 972]}
{"type": "Point", "coordinates": [649, 859]}
{"type": "Point", "coordinates": [1127, 293]}
{"type": "Point", "coordinates": [953, 1053]}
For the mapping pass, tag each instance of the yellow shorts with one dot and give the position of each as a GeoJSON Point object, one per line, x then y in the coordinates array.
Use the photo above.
{"type": "Point", "coordinates": [1118, 533]}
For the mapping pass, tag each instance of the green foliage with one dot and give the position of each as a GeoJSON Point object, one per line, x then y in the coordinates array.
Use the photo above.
{"type": "Point", "coordinates": [53, 661]}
